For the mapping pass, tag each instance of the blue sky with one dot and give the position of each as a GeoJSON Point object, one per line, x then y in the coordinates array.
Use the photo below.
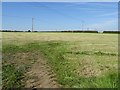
{"type": "Point", "coordinates": [60, 15]}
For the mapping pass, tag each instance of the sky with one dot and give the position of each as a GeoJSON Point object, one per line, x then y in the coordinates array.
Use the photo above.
{"type": "Point", "coordinates": [60, 0]}
{"type": "Point", "coordinates": [57, 16]}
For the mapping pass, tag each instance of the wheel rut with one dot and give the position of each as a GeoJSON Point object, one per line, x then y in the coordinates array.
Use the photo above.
{"type": "Point", "coordinates": [40, 75]}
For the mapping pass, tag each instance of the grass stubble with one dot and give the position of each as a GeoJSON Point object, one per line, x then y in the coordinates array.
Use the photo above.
{"type": "Point", "coordinates": [78, 60]}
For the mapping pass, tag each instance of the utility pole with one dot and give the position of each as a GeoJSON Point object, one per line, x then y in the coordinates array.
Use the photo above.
{"type": "Point", "coordinates": [88, 29]}
{"type": "Point", "coordinates": [32, 24]}
{"type": "Point", "coordinates": [82, 25]}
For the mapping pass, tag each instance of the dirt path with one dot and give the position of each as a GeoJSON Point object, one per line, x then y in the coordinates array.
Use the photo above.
{"type": "Point", "coordinates": [41, 76]}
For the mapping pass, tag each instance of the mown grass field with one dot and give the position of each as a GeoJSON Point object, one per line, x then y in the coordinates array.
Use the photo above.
{"type": "Point", "coordinates": [79, 60]}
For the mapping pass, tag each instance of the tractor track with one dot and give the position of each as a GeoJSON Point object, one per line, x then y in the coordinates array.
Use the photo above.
{"type": "Point", "coordinates": [40, 75]}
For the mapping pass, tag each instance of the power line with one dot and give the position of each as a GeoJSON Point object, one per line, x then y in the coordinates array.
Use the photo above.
{"type": "Point", "coordinates": [33, 20]}
{"type": "Point", "coordinates": [36, 19]}
{"type": "Point", "coordinates": [61, 13]}
{"type": "Point", "coordinates": [56, 11]}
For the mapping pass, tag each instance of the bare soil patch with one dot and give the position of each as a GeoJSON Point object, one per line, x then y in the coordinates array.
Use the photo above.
{"type": "Point", "coordinates": [40, 75]}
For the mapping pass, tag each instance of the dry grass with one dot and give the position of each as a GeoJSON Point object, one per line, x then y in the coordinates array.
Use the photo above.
{"type": "Point", "coordinates": [79, 55]}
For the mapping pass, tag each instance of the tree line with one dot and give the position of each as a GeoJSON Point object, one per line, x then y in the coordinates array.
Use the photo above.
{"type": "Point", "coordinates": [75, 31]}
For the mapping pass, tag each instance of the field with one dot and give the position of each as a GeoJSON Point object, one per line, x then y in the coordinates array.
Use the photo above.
{"type": "Point", "coordinates": [77, 60]}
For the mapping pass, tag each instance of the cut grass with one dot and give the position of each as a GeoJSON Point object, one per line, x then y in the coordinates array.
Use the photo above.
{"type": "Point", "coordinates": [67, 55]}
{"type": "Point", "coordinates": [93, 53]}
{"type": "Point", "coordinates": [65, 69]}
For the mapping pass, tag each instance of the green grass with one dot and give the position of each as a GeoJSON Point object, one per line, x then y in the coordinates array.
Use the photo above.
{"type": "Point", "coordinates": [78, 60]}
{"type": "Point", "coordinates": [11, 77]}
{"type": "Point", "coordinates": [16, 61]}
{"type": "Point", "coordinates": [65, 69]}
